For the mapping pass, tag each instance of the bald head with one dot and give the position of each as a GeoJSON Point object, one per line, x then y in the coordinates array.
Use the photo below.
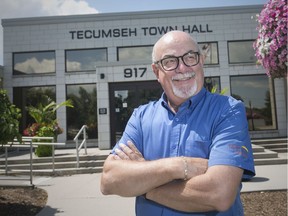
{"type": "Point", "coordinates": [173, 38]}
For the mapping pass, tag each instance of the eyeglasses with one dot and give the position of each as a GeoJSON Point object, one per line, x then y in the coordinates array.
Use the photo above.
{"type": "Point", "coordinates": [171, 63]}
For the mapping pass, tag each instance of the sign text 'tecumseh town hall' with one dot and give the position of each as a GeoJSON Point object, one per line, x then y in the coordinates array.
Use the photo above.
{"type": "Point", "coordinates": [133, 32]}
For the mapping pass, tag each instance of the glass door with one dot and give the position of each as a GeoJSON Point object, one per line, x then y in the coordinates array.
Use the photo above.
{"type": "Point", "coordinates": [124, 98]}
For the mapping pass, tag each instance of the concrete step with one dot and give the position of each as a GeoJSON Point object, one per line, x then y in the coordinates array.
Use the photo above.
{"type": "Point", "coordinates": [56, 172]}
{"type": "Point", "coordinates": [280, 150]}
{"type": "Point", "coordinates": [265, 154]}
{"type": "Point", "coordinates": [57, 159]}
{"type": "Point", "coordinates": [257, 148]}
{"type": "Point", "coordinates": [270, 161]}
{"type": "Point", "coordinates": [57, 165]}
{"type": "Point", "coordinates": [269, 141]}
{"type": "Point", "coordinates": [274, 145]}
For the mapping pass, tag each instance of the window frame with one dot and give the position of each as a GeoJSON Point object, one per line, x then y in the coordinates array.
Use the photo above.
{"type": "Point", "coordinates": [240, 62]}
{"type": "Point", "coordinates": [123, 47]}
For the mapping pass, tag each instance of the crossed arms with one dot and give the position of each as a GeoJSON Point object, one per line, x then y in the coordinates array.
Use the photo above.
{"type": "Point", "coordinates": [206, 189]}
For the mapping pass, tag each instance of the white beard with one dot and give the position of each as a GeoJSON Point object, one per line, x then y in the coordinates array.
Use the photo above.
{"type": "Point", "coordinates": [185, 91]}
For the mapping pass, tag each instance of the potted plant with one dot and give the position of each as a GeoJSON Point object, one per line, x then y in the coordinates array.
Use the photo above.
{"type": "Point", "coordinates": [46, 124]}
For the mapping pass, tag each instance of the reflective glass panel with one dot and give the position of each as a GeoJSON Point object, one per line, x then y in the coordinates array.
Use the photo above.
{"type": "Point", "coordinates": [84, 99]}
{"type": "Point", "coordinates": [256, 92]}
{"type": "Point", "coordinates": [34, 63]}
{"type": "Point", "coordinates": [212, 84]}
{"type": "Point", "coordinates": [141, 53]}
{"type": "Point", "coordinates": [210, 51]}
{"type": "Point", "coordinates": [241, 52]}
{"type": "Point", "coordinates": [31, 96]}
{"type": "Point", "coordinates": [84, 60]}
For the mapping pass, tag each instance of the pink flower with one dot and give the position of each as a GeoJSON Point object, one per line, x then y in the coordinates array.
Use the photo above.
{"type": "Point", "coordinates": [271, 43]}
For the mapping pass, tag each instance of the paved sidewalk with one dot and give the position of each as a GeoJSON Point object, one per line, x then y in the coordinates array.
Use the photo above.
{"type": "Point", "coordinates": [80, 194]}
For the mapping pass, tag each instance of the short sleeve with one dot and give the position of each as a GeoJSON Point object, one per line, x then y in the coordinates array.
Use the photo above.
{"type": "Point", "coordinates": [231, 144]}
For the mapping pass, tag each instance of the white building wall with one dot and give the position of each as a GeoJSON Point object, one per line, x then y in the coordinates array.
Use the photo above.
{"type": "Point", "coordinates": [52, 33]}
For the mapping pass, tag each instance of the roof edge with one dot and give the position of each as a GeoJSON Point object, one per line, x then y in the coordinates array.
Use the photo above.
{"type": "Point", "coordinates": [129, 15]}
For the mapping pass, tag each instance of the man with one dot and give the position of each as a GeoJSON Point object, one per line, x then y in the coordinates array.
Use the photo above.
{"type": "Point", "coordinates": [187, 153]}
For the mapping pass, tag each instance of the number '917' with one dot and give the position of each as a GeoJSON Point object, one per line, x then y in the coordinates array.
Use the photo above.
{"type": "Point", "coordinates": [134, 72]}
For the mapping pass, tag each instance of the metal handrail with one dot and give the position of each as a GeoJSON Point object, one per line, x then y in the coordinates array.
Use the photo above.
{"type": "Point", "coordinates": [28, 142]}
{"type": "Point", "coordinates": [78, 148]}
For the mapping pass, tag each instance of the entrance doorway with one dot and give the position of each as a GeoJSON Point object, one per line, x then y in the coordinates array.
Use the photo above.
{"type": "Point", "coordinates": [124, 98]}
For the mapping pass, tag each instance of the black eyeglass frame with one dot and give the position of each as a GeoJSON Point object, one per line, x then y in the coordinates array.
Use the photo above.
{"type": "Point", "coordinates": [177, 57]}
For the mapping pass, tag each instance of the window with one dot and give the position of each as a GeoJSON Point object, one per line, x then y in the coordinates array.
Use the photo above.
{"type": "Point", "coordinates": [210, 51]}
{"type": "Point", "coordinates": [34, 63]}
{"type": "Point", "coordinates": [212, 82]}
{"type": "Point", "coordinates": [139, 53]}
{"type": "Point", "coordinates": [241, 52]}
{"type": "Point", "coordinates": [144, 53]}
{"type": "Point", "coordinates": [84, 99]}
{"type": "Point", "coordinates": [31, 96]}
{"type": "Point", "coordinates": [84, 60]}
{"type": "Point", "coordinates": [256, 91]}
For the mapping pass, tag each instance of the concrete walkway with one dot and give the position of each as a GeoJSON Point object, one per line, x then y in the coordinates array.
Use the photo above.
{"type": "Point", "coordinates": [80, 194]}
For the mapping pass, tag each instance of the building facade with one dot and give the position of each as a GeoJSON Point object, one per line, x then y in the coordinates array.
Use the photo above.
{"type": "Point", "coordinates": [103, 63]}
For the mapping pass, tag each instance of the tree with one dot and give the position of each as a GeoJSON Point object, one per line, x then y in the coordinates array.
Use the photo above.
{"type": "Point", "coordinates": [9, 119]}
{"type": "Point", "coordinates": [271, 43]}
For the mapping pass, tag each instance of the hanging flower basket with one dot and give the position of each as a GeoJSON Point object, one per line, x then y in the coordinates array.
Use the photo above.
{"type": "Point", "coordinates": [271, 43]}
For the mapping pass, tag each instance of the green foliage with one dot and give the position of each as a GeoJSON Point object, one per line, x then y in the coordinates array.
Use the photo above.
{"type": "Point", "coordinates": [214, 90]}
{"type": "Point", "coordinates": [46, 125]}
{"type": "Point", "coordinates": [44, 150]}
{"type": "Point", "coordinates": [9, 119]}
{"type": "Point", "coordinates": [45, 113]}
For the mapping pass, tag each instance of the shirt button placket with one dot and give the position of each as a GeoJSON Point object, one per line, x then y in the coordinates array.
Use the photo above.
{"type": "Point", "coordinates": [175, 137]}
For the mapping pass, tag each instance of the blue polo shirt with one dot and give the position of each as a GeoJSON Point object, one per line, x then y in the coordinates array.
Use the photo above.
{"type": "Point", "coordinates": [207, 125]}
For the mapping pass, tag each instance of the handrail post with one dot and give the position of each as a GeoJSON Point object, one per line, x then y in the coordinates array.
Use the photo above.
{"type": "Point", "coordinates": [85, 141]}
{"type": "Point", "coordinates": [31, 161]}
{"type": "Point", "coordinates": [77, 153]}
{"type": "Point", "coordinates": [53, 158]}
{"type": "Point", "coordinates": [6, 161]}
{"type": "Point", "coordinates": [82, 130]}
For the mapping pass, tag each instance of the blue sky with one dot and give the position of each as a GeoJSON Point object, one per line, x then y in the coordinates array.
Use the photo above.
{"type": "Point", "coordinates": [33, 8]}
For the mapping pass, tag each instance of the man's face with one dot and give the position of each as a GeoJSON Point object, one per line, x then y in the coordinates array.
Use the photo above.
{"type": "Point", "coordinates": [184, 81]}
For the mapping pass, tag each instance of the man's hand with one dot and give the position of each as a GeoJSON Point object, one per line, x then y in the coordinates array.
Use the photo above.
{"type": "Point", "coordinates": [128, 152]}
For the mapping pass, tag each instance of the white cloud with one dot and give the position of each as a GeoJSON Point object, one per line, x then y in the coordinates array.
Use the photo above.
{"type": "Point", "coordinates": [74, 66]}
{"type": "Point", "coordinates": [67, 7]}
{"type": "Point", "coordinates": [33, 8]}
{"type": "Point", "coordinates": [32, 65]}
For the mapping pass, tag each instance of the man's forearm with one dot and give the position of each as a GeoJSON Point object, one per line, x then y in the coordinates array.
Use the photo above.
{"type": "Point", "coordinates": [128, 174]}
{"type": "Point", "coordinates": [134, 178]}
{"type": "Point", "coordinates": [211, 191]}
{"type": "Point", "coordinates": [173, 196]}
